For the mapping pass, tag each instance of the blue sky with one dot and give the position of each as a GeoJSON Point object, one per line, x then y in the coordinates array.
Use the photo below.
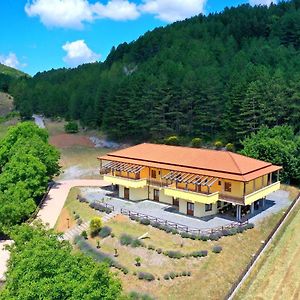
{"type": "Point", "coordinates": [38, 35]}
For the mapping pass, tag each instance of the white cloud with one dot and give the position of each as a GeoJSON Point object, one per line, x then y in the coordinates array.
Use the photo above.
{"type": "Point", "coordinates": [10, 60]}
{"type": "Point", "coordinates": [262, 2]}
{"type": "Point", "coordinates": [173, 10]}
{"type": "Point", "coordinates": [78, 53]}
{"type": "Point", "coordinates": [74, 13]}
{"type": "Point", "coordinates": [117, 10]}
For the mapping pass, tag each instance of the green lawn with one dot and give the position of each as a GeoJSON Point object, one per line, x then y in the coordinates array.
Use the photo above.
{"type": "Point", "coordinates": [277, 275]}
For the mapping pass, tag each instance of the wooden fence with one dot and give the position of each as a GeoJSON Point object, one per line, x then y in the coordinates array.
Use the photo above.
{"type": "Point", "coordinates": [181, 227]}
{"type": "Point", "coordinates": [259, 251]}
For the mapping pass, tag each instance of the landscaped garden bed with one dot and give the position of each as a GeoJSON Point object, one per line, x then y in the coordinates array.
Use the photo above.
{"type": "Point", "coordinates": [152, 264]}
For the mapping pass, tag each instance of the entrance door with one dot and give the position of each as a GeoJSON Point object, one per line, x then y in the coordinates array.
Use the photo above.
{"type": "Point", "coordinates": [190, 209]}
{"type": "Point", "coordinates": [156, 195]}
{"type": "Point", "coordinates": [175, 202]}
{"type": "Point", "coordinates": [126, 193]}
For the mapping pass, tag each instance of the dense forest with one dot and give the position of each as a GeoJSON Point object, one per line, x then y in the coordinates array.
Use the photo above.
{"type": "Point", "coordinates": [220, 76]}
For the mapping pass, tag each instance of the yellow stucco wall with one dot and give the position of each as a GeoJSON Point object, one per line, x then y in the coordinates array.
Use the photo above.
{"type": "Point", "coordinates": [199, 209]}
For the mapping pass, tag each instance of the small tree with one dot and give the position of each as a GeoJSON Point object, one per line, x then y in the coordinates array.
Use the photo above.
{"type": "Point", "coordinates": [229, 147]}
{"type": "Point", "coordinates": [138, 261]}
{"type": "Point", "coordinates": [71, 127]}
{"type": "Point", "coordinates": [172, 140]}
{"type": "Point", "coordinates": [218, 145]}
{"type": "Point", "coordinates": [196, 142]}
{"type": "Point", "coordinates": [95, 226]}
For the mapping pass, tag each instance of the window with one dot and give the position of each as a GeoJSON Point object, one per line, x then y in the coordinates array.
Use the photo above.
{"type": "Point", "coordinates": [219, 204]}
{"type": "Point", "coordinates": [219, 182]}
{"type": "Point", "coordinates": [227, 187]}
{"type": "Point", "coordinates": [208, 207]}
{"type": "Point", "coordinates": [153, 173]}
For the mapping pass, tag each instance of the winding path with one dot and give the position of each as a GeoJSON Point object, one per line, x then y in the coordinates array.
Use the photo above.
{"type": "Point", "coordinates": [57, 196]}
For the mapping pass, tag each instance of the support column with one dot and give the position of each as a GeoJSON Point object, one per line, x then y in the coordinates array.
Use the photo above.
{"type": "Point", "coordinates": [252, 208]}
{"type": "Point", "coordinates": [264, 202]}
{"type": "Point", "coordinates": [238, 213]}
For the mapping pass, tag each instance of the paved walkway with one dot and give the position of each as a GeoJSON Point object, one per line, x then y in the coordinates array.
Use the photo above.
{"type": "Point", "coordinates": [57, 196]}
{"type": "Point", "coordinates": [4, 256]}
{"type": "Point", "coordinates": [275, 202]}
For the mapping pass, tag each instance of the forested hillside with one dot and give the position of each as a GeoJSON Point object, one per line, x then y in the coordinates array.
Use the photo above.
{"type": "Point", "coordinates": [219, 76]}
{"type": "Point", "coordinates": [7, 75]}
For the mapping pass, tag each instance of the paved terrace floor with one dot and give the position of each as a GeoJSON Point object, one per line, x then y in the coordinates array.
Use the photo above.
{"type": "Point", "coordinates": [275, 203]}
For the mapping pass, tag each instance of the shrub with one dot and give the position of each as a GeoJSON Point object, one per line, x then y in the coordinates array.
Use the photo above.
{"type": "Point", "coordinates": [166, 228]}
{"type": "Point", "coordinates": [249, 225]}
{"type": "Point", "coordinates": [145, 222]}
{"type": "Point", "coordinates": [159, 250]}
{"type": "Point", "coordinates": [95, 225]}
{"type": "Point", "coordinates": [136, 243]}
{"type": "Point", "coordinates": [112, 235]}
{"type": "Point", "coordinates": [200, 253]}
{"type": "Point", "coordinates": [185, 235]}
{"type": "Point", "coordinates": [174, 254]}
{"type": "Point", "coordinates": [156, 225]}
{"type": "Point", "coordinates": [172, 140]}
{"type": "Point", "coordinates": [240, 229]}
{"type": "Point", "coordinates": [134, 218]}
{"type": "Point", "coordinates": [196, 142]}
{"type": "Point", "coordinates": [151, 247]}
{"type": "Point", "coordinates": [184, 273]}
{"type": "Point", "coordinates": [76, 217]}
{"type": "Point", "coordinates": [174, 231]}
{"type": "Point", "coordinates": [71, 127]}
{"type": "Point", "coordinates": [225, 232]}
{"type": "Point", "coordinates": [233, 231]}
{"type": "Point", "coordinates": [166, 277]}
{"type": "Point", "coordinates": [189, 273]}
{"type": "Point", "coordinates": [84, 234]}
{"type": "Point", "coordinates": [126, 239]}
{"type": "Point", "coordinates": [145, 276]}
{"type": "Point", "coordinates": [172, 275]}
{"type": "Point", "coordinates": [229, 147]}
{"type": "Point", "coordinates": [214, 236]}
{"type": "Point", "coordinates": [125, 270]}
{"type": "Point", "coordinates": [218, 145]}
{"type": "Point", "coordinates": [138, 261]}
{"type": "Point", "coordinates": [204, 238]}
{"type": "Point", "coordinates": [217, 249]}
{"type": "Point", "coordinates": [100, 207]}
{"type": "Point", "coordinates": [137, 296]}
{"type": "Point", "coordinates": [105, 232]}
{"type": "Point", "coordinates": [79, 222]}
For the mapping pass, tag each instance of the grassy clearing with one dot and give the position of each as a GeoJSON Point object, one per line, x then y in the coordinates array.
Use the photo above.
{"type": "Point", "coordinates": [212, 276]}
{"type": "Point", "coordinates": [277, 275]}
{"type": "Point", "coordinates": [73, 205]}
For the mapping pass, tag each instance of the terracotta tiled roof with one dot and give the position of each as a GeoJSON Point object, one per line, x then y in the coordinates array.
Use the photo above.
{"type": "Point", "coordinates": [222, 164]}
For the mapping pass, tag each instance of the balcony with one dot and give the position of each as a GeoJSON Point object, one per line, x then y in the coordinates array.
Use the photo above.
{"type": "Point", "coordinates": [126, 182]}
{"type": "Point", "coordinates": [192, 196]}
{"type": "Point", "coordinates": [259, 194]}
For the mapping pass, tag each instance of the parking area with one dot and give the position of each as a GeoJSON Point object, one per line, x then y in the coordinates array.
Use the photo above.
{"type": "Point", "coordinates": [275, 202]}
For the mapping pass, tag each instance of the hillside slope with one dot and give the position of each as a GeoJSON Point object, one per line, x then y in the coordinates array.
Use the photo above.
{"type": "Point", "coordinates": [216, 76]}
{"type": "Point", "coordinates": [11, 71]}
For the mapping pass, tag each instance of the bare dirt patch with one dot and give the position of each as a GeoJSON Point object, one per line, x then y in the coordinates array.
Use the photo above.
{"type": "Point", "coordinates": [69, 140]}
{"type": "Point", "coordinates": [65, 221]}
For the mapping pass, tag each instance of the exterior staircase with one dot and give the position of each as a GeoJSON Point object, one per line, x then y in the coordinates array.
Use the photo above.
{"type": "Point", "coordinates": [77, 230]}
